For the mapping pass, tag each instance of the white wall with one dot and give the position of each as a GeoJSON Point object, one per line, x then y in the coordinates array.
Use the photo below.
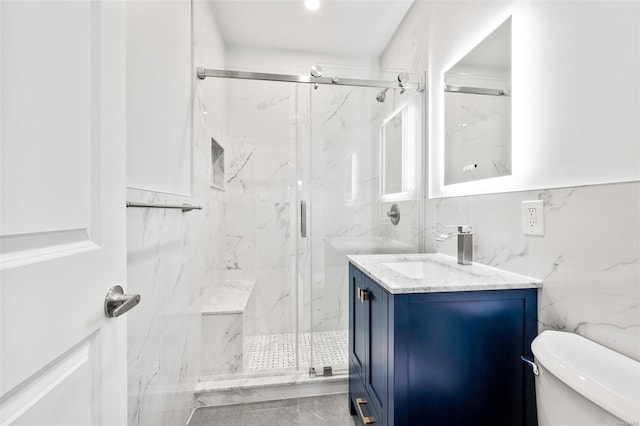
{"type": "Point", "coordinates": [159, 98]}
{"type": "Point", "coordinates": [172, 256]}
{"type": "Point", "coordinates": [589, 258]}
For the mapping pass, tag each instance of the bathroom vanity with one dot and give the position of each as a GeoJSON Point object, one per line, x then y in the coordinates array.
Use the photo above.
{"type": "Point", "coordinates": [436, 343]}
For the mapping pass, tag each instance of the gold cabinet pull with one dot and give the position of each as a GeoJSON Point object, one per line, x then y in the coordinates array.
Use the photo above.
{"type": "Point", "coordinates": [366, 420]}
{"type": "Point", "coordinates": [363, 295]}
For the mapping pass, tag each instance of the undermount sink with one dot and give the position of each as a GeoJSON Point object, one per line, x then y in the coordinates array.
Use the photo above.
{"type": "Point", "coordinates": [418, 269]}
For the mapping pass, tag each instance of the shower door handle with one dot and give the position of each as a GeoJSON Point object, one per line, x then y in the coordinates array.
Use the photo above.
{"type": "Point", "coordinates": [303, 219]}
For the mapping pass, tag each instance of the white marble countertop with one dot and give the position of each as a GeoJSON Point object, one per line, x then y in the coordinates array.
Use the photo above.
{"type": "Point", "coordinates": [432, 272]}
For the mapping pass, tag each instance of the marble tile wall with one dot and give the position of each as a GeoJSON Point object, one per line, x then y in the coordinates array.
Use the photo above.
{"type": "Point", "coordinates": [222, 344]}
{"type": "Point", "coordinates": [589, 257]}
{"type": "Point", "coordinates": [260, 201]}
{"type": "Point", "coordinates": [174, 256]}
{"type": "Point", "coordinates": [223, 331]}
{"type": "Point", "coordinates": [164, 268]}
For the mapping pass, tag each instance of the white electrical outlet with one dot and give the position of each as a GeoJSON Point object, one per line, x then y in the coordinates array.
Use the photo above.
{"type": "Point", "coordinates": [533, 217]}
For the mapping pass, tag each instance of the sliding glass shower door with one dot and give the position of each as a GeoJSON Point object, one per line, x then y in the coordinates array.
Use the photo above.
{"type": "Point", "coordinates": [311, 172]}
{"type": "Point", "coordinates": [347, 182]}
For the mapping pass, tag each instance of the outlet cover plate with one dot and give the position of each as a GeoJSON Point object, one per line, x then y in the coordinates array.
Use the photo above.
{"type": "Point", "coordinates": [533, 217]}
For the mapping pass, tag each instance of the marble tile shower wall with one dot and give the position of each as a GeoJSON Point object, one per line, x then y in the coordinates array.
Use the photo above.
{"type": "Point", "coordinates": [589, 257]}
{"type": "Point", "coordinates": [173, 256]}
{"type": "Point", "coordinates": [260, 201]}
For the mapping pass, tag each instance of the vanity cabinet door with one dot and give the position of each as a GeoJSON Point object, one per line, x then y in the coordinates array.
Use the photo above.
{"type": "Point", "coordinates": [368, 347]}
{"type": "Point", "coordinates": [464, 358]}
{"type": "Point", "coordinates": [378, 363]}
{"type": "Point", "coordinates": [358, 340]}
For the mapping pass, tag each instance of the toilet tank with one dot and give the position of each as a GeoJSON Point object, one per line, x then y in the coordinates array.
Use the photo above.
{"type": "Point", "coordinates": [583, 383]}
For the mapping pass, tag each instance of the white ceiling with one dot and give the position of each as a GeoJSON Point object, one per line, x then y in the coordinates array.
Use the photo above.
{"type": "Point", "coordinates": [343, 27]}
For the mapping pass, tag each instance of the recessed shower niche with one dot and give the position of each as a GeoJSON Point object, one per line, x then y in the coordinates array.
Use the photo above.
{"type": "Point", "coordinates": [217, 165]}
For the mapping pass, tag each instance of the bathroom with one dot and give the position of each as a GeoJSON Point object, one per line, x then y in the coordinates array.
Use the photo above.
{"type": "Point", "coordinates": [576, 147]}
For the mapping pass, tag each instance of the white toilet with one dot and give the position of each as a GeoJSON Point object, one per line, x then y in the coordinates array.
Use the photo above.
{"type": "Point", "coordinates": [582, 383]}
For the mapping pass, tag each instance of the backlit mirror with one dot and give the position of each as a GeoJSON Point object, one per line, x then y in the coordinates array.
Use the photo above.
{"type": "Point", "coordinates": [477, 103]}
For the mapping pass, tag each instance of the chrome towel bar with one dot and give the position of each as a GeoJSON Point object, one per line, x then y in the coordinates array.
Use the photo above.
{"type": "Point", "coordinates": [184, 207]}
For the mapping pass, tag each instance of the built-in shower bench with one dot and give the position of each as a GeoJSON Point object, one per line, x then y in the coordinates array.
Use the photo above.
{"type": "Point", "coordinates": [223, 309]}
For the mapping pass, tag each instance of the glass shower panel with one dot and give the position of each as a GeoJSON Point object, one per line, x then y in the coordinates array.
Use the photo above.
{"type": "Point", "coordinates": [348, 205]}
{"type": "Point", "coordinates": [343, 168]}
{"type": "Point", "coordinates": [302, 104]}
{"type": "Point", "coordinates": [260, 218]}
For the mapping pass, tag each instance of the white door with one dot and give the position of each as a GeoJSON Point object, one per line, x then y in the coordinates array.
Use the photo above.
{"type": "Point", "coordinates": [62, 222]}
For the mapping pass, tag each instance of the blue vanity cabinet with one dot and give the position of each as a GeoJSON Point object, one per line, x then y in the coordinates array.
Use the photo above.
{"type": "Point", "coordinates": [441, 358]}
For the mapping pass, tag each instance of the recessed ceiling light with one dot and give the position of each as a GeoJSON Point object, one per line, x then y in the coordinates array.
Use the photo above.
{"type": "Point", "coordinates": [312, 4]}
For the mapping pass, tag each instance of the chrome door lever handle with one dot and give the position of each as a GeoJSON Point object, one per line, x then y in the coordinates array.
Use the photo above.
{"type": "Point", "coordinates": [117, 303]}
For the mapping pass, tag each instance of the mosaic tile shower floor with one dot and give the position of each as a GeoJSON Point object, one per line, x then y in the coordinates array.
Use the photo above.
{"type": "Point", "coordinates": [278, 351]}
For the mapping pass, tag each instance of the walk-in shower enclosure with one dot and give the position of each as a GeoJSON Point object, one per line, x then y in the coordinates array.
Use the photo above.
{"type": "Point", "coordinates": [311, 172]}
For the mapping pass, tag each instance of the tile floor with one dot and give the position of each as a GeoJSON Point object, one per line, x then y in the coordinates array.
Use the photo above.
{"type": "Point", "coordinates": [310, 411]}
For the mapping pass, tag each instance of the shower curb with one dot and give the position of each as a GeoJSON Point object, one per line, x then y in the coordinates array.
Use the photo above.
{"type": "Point", "coordinates": [256, 389]}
